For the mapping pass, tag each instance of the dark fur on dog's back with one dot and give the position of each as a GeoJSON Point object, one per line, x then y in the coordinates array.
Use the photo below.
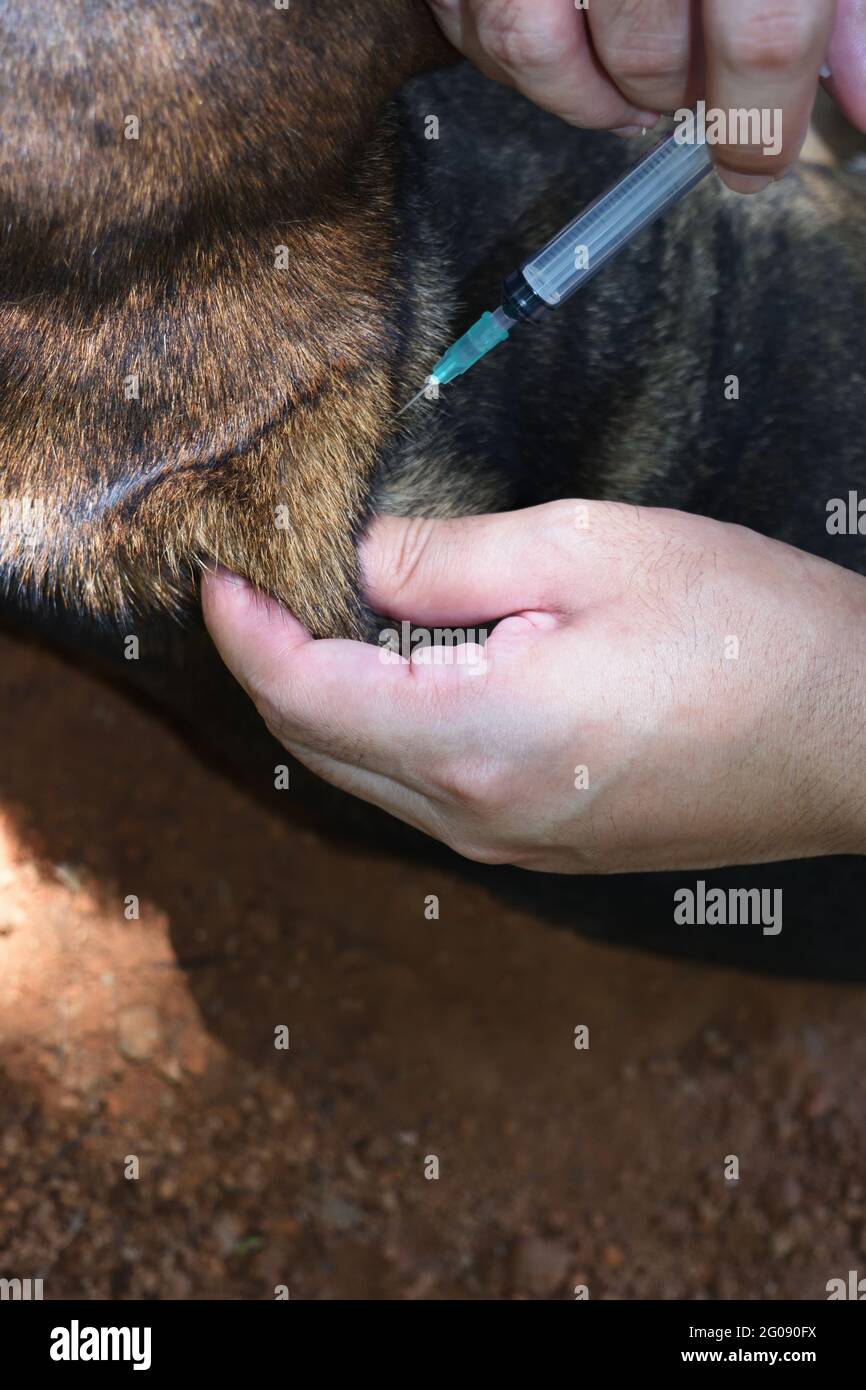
{"type": "Point", "coordinates": [622, 392]}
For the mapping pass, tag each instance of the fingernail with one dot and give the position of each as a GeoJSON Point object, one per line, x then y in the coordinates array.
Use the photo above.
{"type": "Point", "coordinates": [643, 121]}
{"type": "Point", "coordinates": [236, 581]}
{"type": "Point", "coordinates": [745, 183]}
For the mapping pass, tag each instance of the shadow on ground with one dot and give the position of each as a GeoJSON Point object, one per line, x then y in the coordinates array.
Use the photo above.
{"type": "Point", "coordinates": [411, 1040]}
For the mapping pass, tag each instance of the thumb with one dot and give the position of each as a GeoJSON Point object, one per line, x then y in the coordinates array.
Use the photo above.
{"type": "Point", "coordinates": [466, 569]}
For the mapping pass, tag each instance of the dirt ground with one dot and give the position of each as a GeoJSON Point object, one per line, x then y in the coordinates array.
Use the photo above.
{"type": "Point", "coordinates": [410, 1040]}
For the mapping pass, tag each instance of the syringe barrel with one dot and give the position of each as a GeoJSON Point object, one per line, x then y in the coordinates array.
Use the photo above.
{"type": "Point", "coordinates": [608, 224]}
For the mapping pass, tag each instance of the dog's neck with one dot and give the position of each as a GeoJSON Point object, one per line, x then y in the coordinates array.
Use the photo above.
{"type": "Point", "coordinates": [195, 332]}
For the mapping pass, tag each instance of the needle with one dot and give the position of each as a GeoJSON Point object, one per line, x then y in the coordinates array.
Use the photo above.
{"type": "Point", "coordinates": [418, 394]}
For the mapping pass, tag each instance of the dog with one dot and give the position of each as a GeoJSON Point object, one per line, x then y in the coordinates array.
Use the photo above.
{"type": "Point", "coordinates": [234, 241]}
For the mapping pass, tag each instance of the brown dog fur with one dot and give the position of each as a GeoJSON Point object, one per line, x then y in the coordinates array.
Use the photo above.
{"type": "Point", "coordinates": [263, 392]}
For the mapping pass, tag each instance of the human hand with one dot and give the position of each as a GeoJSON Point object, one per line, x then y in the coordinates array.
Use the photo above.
{"type": "Point", "coordinates": [664, 690]}
{"type": "Point", "coordinates": [616, 64]}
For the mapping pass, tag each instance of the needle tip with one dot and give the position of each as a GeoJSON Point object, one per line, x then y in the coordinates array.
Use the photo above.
{"type": "Point", "coordinates": [416, 397]}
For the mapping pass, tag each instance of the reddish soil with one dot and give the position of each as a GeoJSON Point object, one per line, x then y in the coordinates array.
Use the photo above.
{"type": "Point", "coordinates": [410, 1038]}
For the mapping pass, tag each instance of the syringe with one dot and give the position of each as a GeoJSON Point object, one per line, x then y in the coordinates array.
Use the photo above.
{"type": "Point", "coordinates": [576, 253]}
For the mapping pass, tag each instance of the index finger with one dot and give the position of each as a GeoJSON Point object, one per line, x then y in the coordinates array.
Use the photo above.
{"type": "Point", "coordinates": [763, 60]}
{"type": "Point", "coordinates": [350, 701]}
{"type": "Point", "coordinates": [543, 48]}
{"type": "Point", "coordinates": [847, 61]}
